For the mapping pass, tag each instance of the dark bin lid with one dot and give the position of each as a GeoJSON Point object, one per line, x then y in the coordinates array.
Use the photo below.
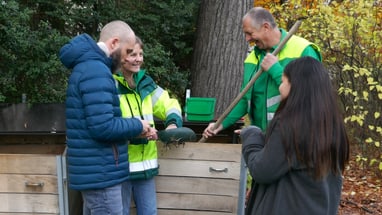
{"type": "Point", "coordinates": [23, 117]}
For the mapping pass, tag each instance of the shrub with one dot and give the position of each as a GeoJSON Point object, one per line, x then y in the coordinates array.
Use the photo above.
{"type": "Point", "coordinates": [350, 36]}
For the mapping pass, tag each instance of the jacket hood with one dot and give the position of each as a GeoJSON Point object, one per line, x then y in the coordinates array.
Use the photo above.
{"type": "Point", "coordinates": [82, 48]}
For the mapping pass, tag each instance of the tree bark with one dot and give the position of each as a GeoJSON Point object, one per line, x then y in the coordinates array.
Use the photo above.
{"type": "Point", "coordinates": [219, 51]}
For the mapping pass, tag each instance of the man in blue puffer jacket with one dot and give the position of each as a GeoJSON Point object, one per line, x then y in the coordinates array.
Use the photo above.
{"type": "Point", "coordinates": [96, 132]}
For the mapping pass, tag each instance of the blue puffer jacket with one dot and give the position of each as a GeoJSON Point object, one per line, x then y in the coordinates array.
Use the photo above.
{"type": "Point", "coordinates": [96, 132]}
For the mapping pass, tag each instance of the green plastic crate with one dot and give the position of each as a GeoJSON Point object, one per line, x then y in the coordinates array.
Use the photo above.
{"type": "Point", "coordinates": [200, 109]}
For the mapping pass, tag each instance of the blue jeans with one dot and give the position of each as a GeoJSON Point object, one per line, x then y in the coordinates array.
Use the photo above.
{"type": "Point", "coordinates": [103, 201]}
{"type": "Point", "coordinates": [144, 194]}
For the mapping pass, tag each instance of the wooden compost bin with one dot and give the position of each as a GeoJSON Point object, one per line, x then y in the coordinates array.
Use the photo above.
{"type": "Point", "coordinates": [32, 161]}
{"type": "Point", "coordinates": [32, 175]}
{"type": "Point", "coordinates": [199, 178]}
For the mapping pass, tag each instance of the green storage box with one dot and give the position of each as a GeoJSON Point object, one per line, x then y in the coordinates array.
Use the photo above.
{"type": "Point", "coordinates": [200, 109]}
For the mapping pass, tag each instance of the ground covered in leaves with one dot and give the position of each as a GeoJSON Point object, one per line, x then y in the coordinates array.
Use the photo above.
{"type": "Point", "coordinates": [361, 192]}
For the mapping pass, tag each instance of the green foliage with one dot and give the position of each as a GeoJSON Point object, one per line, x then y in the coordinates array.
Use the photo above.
{"type": "Point", "coordinates": [32, 32]}
{"type": "Point", "coordinates": [29, 58]}
{"type": "Point", "coordinates": [162, 69]}
{"type": "Point", "coordinates": [350, 37]}
{"type": "Point", "coordinates": [167, 28]}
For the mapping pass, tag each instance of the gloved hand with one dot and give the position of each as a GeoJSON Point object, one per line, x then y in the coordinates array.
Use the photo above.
{"type": "Point", "coordinates": [252, 135]}
{"type": "Point", "coordinates": [177, 135]}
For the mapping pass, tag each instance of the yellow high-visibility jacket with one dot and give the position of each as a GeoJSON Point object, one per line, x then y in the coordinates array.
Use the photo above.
{"type": "Point", "coordinates": [144, 102]}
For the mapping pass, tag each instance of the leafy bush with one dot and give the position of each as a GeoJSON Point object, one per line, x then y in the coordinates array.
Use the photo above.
{"type": "Point", "coordinates": [350, 36]}
{"type": "Point", "coordinates": [29, 58]}
{"type": "Point", "coordinates": [167, 28]}
{"type": "Point", "coordinates": [32, 32]}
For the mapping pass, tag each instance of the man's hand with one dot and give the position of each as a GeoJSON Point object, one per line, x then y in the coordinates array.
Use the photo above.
{"type": "Point", "coordinates": [145, 126]}
{"type": "Point", "coordinates": [209, 132]}
{"type": "Point", "coordinates": [268, 61]}
{"type": "Point", "coordinates": [148, 131]}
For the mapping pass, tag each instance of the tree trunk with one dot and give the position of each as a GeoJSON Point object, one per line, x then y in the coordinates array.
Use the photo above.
{"type": "Point", "coordinates": [219, 51]}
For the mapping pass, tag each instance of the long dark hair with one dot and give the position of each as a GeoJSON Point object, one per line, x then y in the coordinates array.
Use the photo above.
{"type": "Point", "coordinates": [312, 127]}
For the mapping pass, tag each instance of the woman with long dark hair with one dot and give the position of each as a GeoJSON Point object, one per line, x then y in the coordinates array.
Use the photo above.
{"type": "Point", "coordinates": [297, 166]}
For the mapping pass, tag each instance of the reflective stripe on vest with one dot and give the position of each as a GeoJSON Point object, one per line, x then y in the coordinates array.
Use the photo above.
{"type": "Point", "coordinates": [173, 110]}
{"type": "Point", "coordinates": [270, 116]}
{"type": "Point", "coordinates": [146, 164]}
{"type": "Point", "coordinates": [273, 101]}
{"type": "Point", "coordinates": [142, 156]}
{"type": "Point", "coordinates": [156, 95]}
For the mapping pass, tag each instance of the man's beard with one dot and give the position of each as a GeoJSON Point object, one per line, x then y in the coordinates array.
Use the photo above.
{"type": "Point", "coordinates": [116, 60]}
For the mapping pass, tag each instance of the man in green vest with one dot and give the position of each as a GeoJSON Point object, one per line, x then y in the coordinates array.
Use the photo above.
{"type": "Point", "coordinates": [261, 101]}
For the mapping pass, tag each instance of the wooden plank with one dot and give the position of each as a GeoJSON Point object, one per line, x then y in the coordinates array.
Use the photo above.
{"type": "Point", "coordinates": [7, 213]}
{"type": "Point", "coordinates": [29, 203]}
{"type": "Point", "coordinates": [51, 149]}
{"type": "Point", "coordinates": [32, 138]}
{"type": "Point", "coordinates": [196, 202]}
{"type": "Point", "coordinates": [202, 151]}
{"type": "Point", "coordinates": [193, 185]}
{"type": "Point", "coordinates": [196, 168]}
{"type": "Point", "coordinates": [28, 164]}
{"type": "Point", "coordinates": [182, 212]}
{"type": "Point", "coordinates": [17, 183]}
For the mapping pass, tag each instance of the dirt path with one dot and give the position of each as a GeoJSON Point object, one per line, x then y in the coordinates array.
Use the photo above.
{"type": "Point", "coordinates": [362, 192]}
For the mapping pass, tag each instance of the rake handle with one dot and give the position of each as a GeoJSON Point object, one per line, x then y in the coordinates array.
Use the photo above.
{"type": "Point", "coordinates": [219, 121]}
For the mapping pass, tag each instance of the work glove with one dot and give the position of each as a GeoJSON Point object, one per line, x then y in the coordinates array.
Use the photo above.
{"type": "Point", "coordinates": [176, 136]}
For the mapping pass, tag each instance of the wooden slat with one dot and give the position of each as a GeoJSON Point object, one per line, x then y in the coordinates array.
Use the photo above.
{"type": "Point", "coordinates": [28, 164]}
{"type": "Point", "coordinates": [32, 138]}
{"type": "Point", "coordinates": [51, 149]}
{"type": "Point", "coordinates": [29, 203]}
{"type": "Point", "coordinates": [197, 168]}
{"type": "Point", "coordinates": [16, 183]}
{"type": "Point", "coordinates": [182, 212]}
{"type": "Point", "coordinates": [196, 202]}
{"type": "Point", "coordinates": [7, 213]}
{"type": "Point", "coordinates": [202, 151]}
{"type": "Point", "coordinates": [197, 185]}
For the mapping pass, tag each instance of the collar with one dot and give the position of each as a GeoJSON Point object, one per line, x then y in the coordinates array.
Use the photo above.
{"type": "Point", "coordinates": [104, 48]}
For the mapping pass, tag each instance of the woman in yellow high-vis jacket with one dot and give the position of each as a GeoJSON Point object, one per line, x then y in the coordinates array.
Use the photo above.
{"type": "Point", "coordinates": [141, 98]}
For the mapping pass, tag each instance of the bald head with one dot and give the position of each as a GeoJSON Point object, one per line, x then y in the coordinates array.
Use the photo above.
{"type": "Point", "coordinates": [259, 16]}
{"type": "Point", "coordinates": [119, 39]}
{"type": "Point", "coordinates": [117, 29]}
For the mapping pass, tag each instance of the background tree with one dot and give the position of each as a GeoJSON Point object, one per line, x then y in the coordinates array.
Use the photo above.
{"type": "Point", "coordinates": [219, 51]}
